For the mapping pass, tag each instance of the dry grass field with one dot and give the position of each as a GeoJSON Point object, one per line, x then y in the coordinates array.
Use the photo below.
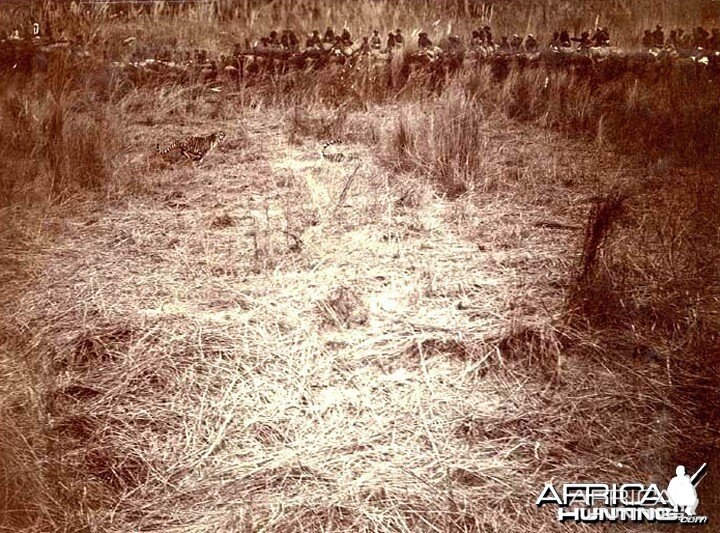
{"type": "Point", "coordinates": [496, 283]}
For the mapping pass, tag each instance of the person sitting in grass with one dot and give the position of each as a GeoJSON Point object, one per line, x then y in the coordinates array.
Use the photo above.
{"type": "Point", "coordinates": [488, 37]}
{"type": "Point", "coordinates": [365, 46]}
{"type": "Point", "coordinates": [390, 45]}
{"type": "Point", "coordinates": [339, 45]}
{"type": "Point", "coordinates": [454, 45]}
{"type": "Point", "coordinates": [531, 44]}
{"type": "Point", "coordinates": [477, 40]}
{"type": "Point", "coordinates": [700, 37]}
{"type": "Point", "coordinates": [375, 41]}
{"type": "Point", "coordinates": [658, 37]}
{"type": "Point", "coordinates": [681, 38]}
{"type": "Point", "coordinates": [584, 41]}
{"type": "Point", "coordinates": [313, 40]}
{"type": "Point", "coordinates": [601, 37]}
{"type": "Point", "coordinates": [672, 42]}
{"type": "Point", "coordinates": [424, 41]}
{"type": "Point", "coordinates": [293, 41]}
{"type": "Point", "coordinates": [555, 40]}
{"type": "Point", "coordinates": [647, 40]}
{"type": "Point", "coordinates": [565, 41]}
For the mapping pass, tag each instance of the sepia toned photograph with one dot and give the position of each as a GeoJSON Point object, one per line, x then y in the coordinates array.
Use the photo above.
{"type": "Point", "coordinates": [385, 266]}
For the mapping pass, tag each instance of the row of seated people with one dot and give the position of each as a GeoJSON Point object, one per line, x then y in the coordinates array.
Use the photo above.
{"type": "Point", "coordinates": [599, 38]}
{"type": "Point", "coordinates": [679, 39]}
{"type": "Point", "coordinates": [481, 38]}
{"type": "Point", "coordinates": [330, 40]}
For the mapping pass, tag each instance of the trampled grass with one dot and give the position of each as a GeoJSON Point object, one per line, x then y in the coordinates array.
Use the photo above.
{"type": "Point", "coordinates": [495, 287]}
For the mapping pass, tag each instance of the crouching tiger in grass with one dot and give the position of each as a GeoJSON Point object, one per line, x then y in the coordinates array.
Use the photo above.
{"type": "Point", "coordinates": [193, 149]}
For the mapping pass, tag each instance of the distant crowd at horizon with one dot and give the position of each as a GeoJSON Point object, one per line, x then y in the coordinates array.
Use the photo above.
{"type": "Point", "coordinates": [679, 39]}
{"type": "Point", "coordinates": [481, 40]}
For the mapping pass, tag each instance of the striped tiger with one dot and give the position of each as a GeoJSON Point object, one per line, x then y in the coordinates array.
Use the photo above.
{"type": "Point", "coordinates": [335, 156]}
{"type": "Point", "coordinates": [193, 148]}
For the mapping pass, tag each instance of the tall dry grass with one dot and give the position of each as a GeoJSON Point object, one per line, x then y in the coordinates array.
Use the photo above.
{"type": "Point", "coordinates": [59, 136]}
{"type": "Point", "coordinates": [661, 113]}
{"type": "Point", "coordinates": [650, 272]}
{"type": "Point", "coordinates": [216, 25]}
{"type": "Point", "coordinates": [661, 119]}
{"type": "Point", "coordinates": [644, 285]}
